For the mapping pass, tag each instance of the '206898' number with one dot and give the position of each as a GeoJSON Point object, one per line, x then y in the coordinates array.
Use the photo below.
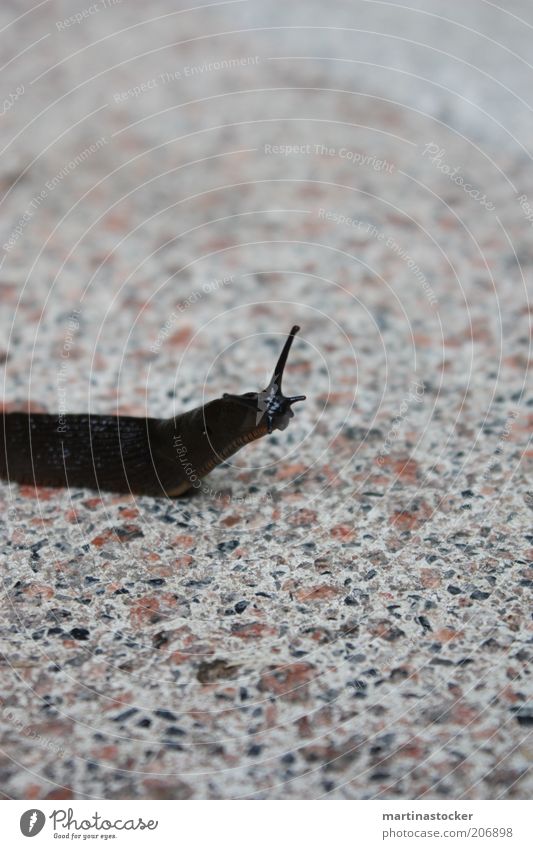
{"type": "Point", "coordinates": [491, 832]}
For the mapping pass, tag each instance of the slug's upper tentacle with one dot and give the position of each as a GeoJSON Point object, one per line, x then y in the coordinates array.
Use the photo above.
{"type": "Point", "coordinates": [271, 405]}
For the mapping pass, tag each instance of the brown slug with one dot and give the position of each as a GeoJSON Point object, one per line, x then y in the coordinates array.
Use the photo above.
{"type": "Point", "coordinates": [140, 455]}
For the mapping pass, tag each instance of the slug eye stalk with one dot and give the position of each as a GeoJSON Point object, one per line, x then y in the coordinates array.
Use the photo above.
{"type": "Point", "coordinates": [271, 406]}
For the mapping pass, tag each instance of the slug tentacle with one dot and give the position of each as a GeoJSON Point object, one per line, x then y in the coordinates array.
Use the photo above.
{"type": "Point", "coordinates": [140, 455]}
{"type": "Point", "coordinates": [271, 404]}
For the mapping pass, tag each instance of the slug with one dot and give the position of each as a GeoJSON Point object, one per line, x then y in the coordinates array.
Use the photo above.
{"type": "Point", "coordinates": [145, 456]}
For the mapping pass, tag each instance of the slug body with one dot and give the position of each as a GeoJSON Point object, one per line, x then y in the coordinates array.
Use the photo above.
{"type": "Point", "coordinates": [140, 455]}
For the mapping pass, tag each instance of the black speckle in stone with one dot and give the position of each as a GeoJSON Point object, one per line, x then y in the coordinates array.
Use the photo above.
{"type": "Point", "coordinates": [371, 574]}
{"type": "Point", "coordinates": [350, 600]}
{"type": "Point", "coordinates": [288, 759]}
{"type": "Point", "coordinates": [90, 580]}
{"type": "Point", "coordinates": [54, 632]}
{"type": "Point", "coordinates": [167, 517]}
{"type": "Point", "coordinates": [80, 634]}
{"type": "Point", "coordinates": [467, 493]}
{"type": "Point", "coordinates": [479, 595]}
{"type": "Point", "coordinates": [453, 590]}
{"type": "Point", "coordinates": [524, 715]}
{"type": "Point", "coordinates": [424, 621]}
{"type": "Point", "coordinates": [229, 545]}
{"type": "Point", "coordinates": [165, 714]}
{"type": "Point", "coordinates": [241, 606]}
{"type": "Point", "coordinates": [127, 533]}
{"type": "Point", "coordinates": [525, 582]}
{"type": "Point", "coordinates": [393, 634]}
{"type": "Point", "coordinates": [121, 591]}
{"type": "Point", "coordinates": [144, 723]}
{"type": "Point", "coordinates": [174, 731]}
{"type": "Point", "coordinates": [359, 685]}
{"type": "Point", "coordinates": [255, 750]}
{"type": "Point", "coordinates": [203, 583]}
{"type": "Point", "coordinates": [121, 717]}
{"type": "Point", "coordinates": [159, 639]}
{"type": "Point", "coordinates": [156, 582]}
{"type": "Point", "coordinates": [399, 674]}
{"type": "Point", "coordinates": [521, 654]}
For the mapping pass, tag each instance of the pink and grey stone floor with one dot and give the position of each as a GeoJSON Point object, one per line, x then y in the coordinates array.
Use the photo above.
{"type": "Point", "coordinates": [345, 610]}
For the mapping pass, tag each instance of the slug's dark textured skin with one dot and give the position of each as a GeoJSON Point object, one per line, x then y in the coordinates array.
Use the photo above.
{"type": "Point", "coordinates": [145, 456]}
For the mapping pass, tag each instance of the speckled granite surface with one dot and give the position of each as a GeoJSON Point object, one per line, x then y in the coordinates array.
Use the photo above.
{"type": "Point", "coordinates": [345, 611]}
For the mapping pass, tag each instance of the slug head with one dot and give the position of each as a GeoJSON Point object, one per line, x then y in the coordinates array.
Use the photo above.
{"type": "Point", "coordinates": [271, 407]}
